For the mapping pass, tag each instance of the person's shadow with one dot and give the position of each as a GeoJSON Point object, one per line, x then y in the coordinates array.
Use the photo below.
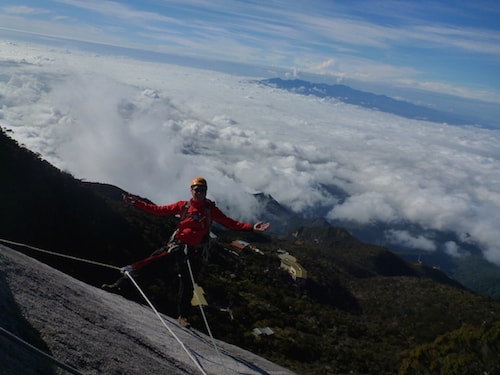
{"type": "Point", "coordinates": [16, 358]}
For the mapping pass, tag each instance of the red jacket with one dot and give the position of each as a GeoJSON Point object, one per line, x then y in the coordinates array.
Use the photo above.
{"type": "Point", "coordinates": [195, 226]}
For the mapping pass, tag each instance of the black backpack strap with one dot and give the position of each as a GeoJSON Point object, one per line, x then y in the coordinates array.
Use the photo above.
{"type": "Point", "coordinates": [208, 212]}
{"type": "Point", "coordinates": [184, 211]}
{"type": "Point", "coordinates": [204, 247]}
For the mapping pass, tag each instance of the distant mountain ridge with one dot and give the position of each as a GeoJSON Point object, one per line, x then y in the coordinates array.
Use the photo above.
{"type": "Point", "coordinates": [473, 271]}
{"type": "Point", "coordinates": [365, 99]}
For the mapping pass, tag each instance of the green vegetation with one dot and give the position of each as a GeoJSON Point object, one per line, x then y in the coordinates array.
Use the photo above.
{"type": "Point", "coordinates": [479, 275]}
{"type": "Point", "coordinates": [467, 350]}
{"type": "Point", "coordinates": [362, 310]}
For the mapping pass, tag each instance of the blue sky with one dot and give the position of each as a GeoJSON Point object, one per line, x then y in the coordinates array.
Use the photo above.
{"type": "Point", "coordinates": [450, 47]}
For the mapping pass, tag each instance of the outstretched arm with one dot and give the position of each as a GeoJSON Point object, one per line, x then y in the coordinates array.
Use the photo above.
{"type": "Point", "coordinates": [260, 226]}
{"type": "Point", "coordinates": [221, 218]}
{"type": "Point", "coordinates": [170, 209]}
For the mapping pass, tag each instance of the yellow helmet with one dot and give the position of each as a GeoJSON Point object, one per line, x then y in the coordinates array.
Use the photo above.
{"type": "Point", "coordinates": [199, 181]}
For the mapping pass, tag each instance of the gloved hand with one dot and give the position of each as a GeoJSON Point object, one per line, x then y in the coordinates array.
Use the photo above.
{"type": "Point", "coordinates": [129, 198]}
{"type": "Point", "coordinates": [128, 269]}
{"type": "Point", "coordinates": [260, 226]}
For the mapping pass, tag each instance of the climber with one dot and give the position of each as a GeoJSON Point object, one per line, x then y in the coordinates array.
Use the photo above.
{"type": "Point", "coordinates": [189, 241]}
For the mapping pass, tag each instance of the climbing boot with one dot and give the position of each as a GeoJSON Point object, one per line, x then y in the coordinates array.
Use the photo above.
{"type": "Point", "coordinates": [113, 288]}
{"type": "Point", "coordinates": [183, 322]}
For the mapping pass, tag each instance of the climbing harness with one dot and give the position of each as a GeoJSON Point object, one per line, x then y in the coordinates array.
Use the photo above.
{"type": "Point", "coordinates": [208, 212]}
{"type": "Point", "coordinates": [205, 246]}
{"type": "Point", "coordinates": [173, 244]}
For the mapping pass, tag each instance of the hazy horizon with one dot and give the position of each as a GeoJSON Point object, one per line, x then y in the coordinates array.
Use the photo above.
{"type": "Point", "coordinates": [479, 111]}
{"type": "Point", "coordinates": [439, 54]}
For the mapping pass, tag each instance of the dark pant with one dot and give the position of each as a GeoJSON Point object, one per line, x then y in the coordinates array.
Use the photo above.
{"type": "Point", "coordinates": [178, 253]}
{"type": "Point", "coordinates": [186, 287]}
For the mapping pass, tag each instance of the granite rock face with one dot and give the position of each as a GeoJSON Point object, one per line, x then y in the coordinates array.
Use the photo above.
{"type": "Point", "coordinates": [95, 332]}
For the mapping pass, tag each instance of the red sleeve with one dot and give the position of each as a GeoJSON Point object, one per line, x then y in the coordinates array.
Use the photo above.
{"type": "Point", "coordinates": [221, 218]}
{"type": "Point", "coordinates": [167, 210]}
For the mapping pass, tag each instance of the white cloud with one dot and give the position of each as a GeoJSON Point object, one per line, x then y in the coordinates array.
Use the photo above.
{"type": "Point", "coordinates": [24, 10]}
{"type": "Point", "coordinates": [362, 49]}
{"type": "Point", "coordinates": [116, 9]}
{"type": "Point", "coordinates": [447, 88]}
{"type": "Point", "coordinates": [365, 208]}
{"type": "Point", "coordinates": [150, 128]}
{"type": "Point", "coordinates": [453, 249]}
{"type": "Point", "coordinates": [405, 238]}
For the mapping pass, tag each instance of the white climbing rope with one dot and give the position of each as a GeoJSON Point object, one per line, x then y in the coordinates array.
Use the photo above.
{"type": "Point", "coordinates": [163, 322]}
{"type": "Point", "coordinates": [45, 356]}
{"type": "Point", "coordinates": [133, 282]}
{"type": "Point", "coordinates": [60, 255]}
{"type": "Point", "coordinates": [204, 317]}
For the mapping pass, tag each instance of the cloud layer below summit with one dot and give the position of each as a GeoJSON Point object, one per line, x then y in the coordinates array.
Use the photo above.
{"type": "Point", "coordinates": [150, 127]}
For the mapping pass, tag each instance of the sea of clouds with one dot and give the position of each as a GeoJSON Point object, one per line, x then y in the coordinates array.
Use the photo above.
{"type": "Point", "coordinates": [150, 128]}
